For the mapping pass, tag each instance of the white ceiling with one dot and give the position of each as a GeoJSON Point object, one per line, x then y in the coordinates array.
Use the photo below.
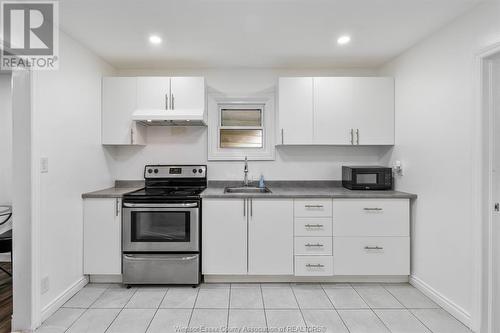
{"type": "Point", "coordinates": [254, 33]}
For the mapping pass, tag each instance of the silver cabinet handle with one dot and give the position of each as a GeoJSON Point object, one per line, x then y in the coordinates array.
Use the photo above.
{"type": "Point", "coordinates": [315, 245]}
{"type": "Point", "coordinates": [142, 258]}
{"type": "Point", "coordinates": [131, 135]}
{"type": "Point", "coordinates": [372, 209]}
{"type": "Point", "coordinates": [173, 102]}
{"type": "Point", "coordinates": [357, 136]}
{"type": "Point", "coordinates": [117, 207]}
{"type": "Point", "coordinates": [314, 226]}
{"type": "Point", "coordinates": [373, 248]}
{"type": "Point", "coordinates": [313, 206]}
{"type": "Point", "coordinates": [282, 137]}
{"type": "Point", "coordinates": [315, 265]}
{"type": "Point", "coordinates": [352, 136]}
{"type": "Point", "coordinates": [173, 205]}
{"type": "Point", "coordinates": [251, 207]}
{"type": "Point", "coordinates": [244, 207]}
{"type": "Point", "coordinates": [166, 101]}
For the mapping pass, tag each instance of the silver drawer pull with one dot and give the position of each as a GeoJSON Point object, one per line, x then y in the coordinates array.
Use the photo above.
{"type": "Point", "coordinates": [314, 265]}
{"type": "Point", "coordinates": [372, 209]}
{"type": "Point", "coordinates": [314, 206]}
{"type": "Point", "coordinates": [373, 248]}
{"type": "Point", "coordinates": [316, 245]}
{"type": "Point", "coordinates": [314, 226]}
{"type": "Point", "coordinates": [158, 258]}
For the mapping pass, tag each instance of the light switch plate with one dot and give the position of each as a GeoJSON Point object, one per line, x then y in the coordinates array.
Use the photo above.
{"type": "Point", "coordinates": [44, 165]}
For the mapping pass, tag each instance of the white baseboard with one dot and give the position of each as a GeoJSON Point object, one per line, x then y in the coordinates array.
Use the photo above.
{"type": "Point", "coordinates": [292, 278]}
{"type": "Point", "coordinates": [105, 278]}
{"type": "Point", "coordinates": [53, 306]}
{"type": "Point", "coordinates": [454, 309]}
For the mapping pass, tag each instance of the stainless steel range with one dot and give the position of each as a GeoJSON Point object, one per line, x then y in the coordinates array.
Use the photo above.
{"type": "Point", "coordinates": [161, 226]}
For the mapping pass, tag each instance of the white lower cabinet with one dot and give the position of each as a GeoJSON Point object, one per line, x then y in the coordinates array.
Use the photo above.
{"type": "Point", "coordinates": [247, 236]}
{"type": "Point", "coordinates": [224, 236]}
{"type": "Point", "coordinates": [372, 255]}
{"type": "Point", "coordinates": [102, 222]}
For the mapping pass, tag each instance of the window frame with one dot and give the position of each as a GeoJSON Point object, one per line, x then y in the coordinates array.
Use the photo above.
{"type": "Point", "coordinates": [241, 106]}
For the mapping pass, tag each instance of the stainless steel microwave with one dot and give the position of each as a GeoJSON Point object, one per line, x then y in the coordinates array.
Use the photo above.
{"type": "Point", "coordinates": [370, 177]}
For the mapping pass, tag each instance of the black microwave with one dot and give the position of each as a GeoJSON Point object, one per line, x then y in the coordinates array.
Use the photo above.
{"type": "Point", "coordinates": [367, 177]}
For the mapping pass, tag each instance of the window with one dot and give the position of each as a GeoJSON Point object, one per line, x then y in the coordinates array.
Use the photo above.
{"type": "Point", "coordinates": [241, 126]}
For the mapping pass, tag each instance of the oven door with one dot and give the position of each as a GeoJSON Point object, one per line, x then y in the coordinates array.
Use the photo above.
{"type": "Point", "coordinates": [161, 227]}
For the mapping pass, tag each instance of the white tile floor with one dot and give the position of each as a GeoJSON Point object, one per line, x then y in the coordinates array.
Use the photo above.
{"type": "Point", "coordinates": [352, 308]}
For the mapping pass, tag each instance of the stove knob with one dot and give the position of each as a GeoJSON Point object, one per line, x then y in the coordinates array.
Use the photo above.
{"type": "Point", "coordinates": [156, 170]}
{"type": "Point", "coordinates": [200, 171]}
{"type": "Point", "coordinates": [194, 170]}
{"type": "Point", "coordinates": [150, 170]}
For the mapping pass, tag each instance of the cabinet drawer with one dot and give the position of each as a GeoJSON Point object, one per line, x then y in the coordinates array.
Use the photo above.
{"type": "Point", "coordinates": [313, 246]}
{"type": "Point", "coordinates": [313, 208]}
{"type": "Point", "coordinates": [372, 255]}
{"type": "Point", "coordinates": [313, 226]}
{"type": "Point", "coordinates": [313, 265]}
{"type": "Point", "coordinates": [371, 217]}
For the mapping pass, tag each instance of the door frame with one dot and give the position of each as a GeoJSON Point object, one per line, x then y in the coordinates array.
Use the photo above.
{"type": "Point", "coordinates": [482, 152]}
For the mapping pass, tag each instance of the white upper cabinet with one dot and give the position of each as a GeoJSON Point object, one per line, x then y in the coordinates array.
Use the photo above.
{"type": "Point", "coordinates": [373, 110]}
{"type": "Point", "coordinates": [295, 111]}
{"type": "Point", "coordinates": [153, 93]}
{"type": "Point", "coordinates": [270, 237]}
{"type": "Point", "coordinates": [119, 101]}
{"type": "Point", "coordinates": [336, 111]}
{"type": "Point", "coordinates": [333, 116]}
{"type": "Point", "coordinates": [187, 93]}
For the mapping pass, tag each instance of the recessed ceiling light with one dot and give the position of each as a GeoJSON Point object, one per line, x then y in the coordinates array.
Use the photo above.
{"type": "Point", "coordinates": [344, 40]}
{"type": "Point", "coordinates": [155, 39]}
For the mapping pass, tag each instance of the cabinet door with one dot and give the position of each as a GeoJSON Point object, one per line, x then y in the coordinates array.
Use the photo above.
{"type": "Point", "coordinates": [333, 116]}
{"type": "Point", "coordinates": [373, 110]}
{"type": "Point", "coordinates": [119, 101]}
{"type": "Point", "coordinates": [188, 93]}
{"type": "Point", "coordinates": [270, 237]}
{"type": "Point", "coordinates": [295, 111]}
{"type": "Point", "coordinates": [102, 251]}
{"type": "Point", "coordinates": [153, 93]}
{"type": "Point", "coordinates": [224, 236]}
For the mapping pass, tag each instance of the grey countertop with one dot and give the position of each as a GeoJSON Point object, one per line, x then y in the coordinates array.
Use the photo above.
{"type": "Point", "coordinates": [121, 187]}
{"type": "Point", "coordinates": [279, 189]}
{"type": "Point", "coordinates": [301, 189]}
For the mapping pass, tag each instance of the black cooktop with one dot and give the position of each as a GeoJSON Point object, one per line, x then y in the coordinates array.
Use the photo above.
{"type": "Point", "coordinates": [170, 192]}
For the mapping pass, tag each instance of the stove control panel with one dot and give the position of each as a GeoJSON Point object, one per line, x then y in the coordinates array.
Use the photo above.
{"type": "Point", "coordinates": [175, 171]}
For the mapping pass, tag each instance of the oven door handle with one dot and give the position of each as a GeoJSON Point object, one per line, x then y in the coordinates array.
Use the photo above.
{"type": "Point", "coordinates": [146, 205]}
{"type": "Point", "coordinates": [142, 258]}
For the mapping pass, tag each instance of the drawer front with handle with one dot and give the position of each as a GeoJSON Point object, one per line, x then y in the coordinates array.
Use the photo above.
{"type": "Point", "coordinates": [313, 246]}
{"type": "Point", "coordinates": [371, 217]}
{"type": "Point", "coordinates": [372, 255]}
{"type": "Point", "coordinates": [313, 265]}
{"type": "Point", "coordinates": [313, 226]}
{"type": "Point", "coordinates": [313, 208]}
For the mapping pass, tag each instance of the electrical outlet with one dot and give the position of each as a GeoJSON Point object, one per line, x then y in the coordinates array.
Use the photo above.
{"type": "Point", "coordinates": [45, 284]}
{"type": "Point", "coordinates": [44, 165]}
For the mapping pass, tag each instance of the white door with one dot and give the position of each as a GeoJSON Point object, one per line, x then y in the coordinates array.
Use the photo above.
{"type": "Point", "coordinates": [373, 110]}
{"type": "Point", "coordinates": [102, 249]}
{"type": "Point", "coordinates": [224, 236]}
{"type": "Point", "coordinates": [495, 228]}
{"type": "Point", "coordinates": [188, 93]}
{"type": "Point", "coordinates": [119, 101]}
{"type": "Point", "coordinates": [270, 237]}
{"type": "Point", "coordinates": [153, 93]}
{"type": "Point", "coordinates": [333, 119]}
{"type": "Point", "coordinates": [295, 111]}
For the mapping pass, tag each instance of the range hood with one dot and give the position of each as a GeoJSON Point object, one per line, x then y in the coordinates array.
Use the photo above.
{"type": "Point", "coordinates": [157, 117]}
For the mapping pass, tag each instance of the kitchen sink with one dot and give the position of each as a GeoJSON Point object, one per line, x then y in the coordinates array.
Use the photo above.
{"type": "Point", "coordinates": [247, 189]}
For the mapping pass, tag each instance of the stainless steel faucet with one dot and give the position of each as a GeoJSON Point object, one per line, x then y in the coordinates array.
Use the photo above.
{"type": "Point", "coordinates": [245, 170]}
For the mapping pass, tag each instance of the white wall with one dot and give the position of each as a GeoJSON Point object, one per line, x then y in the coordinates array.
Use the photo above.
{"type": "Point", "coordinates": [5, 139]}
{"type": "Point", "coordinates": [435, 106]}
{"type": "Point", "coordinates": [189, 145]}
{"type": "Point", "coordinates": [66, 130]}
